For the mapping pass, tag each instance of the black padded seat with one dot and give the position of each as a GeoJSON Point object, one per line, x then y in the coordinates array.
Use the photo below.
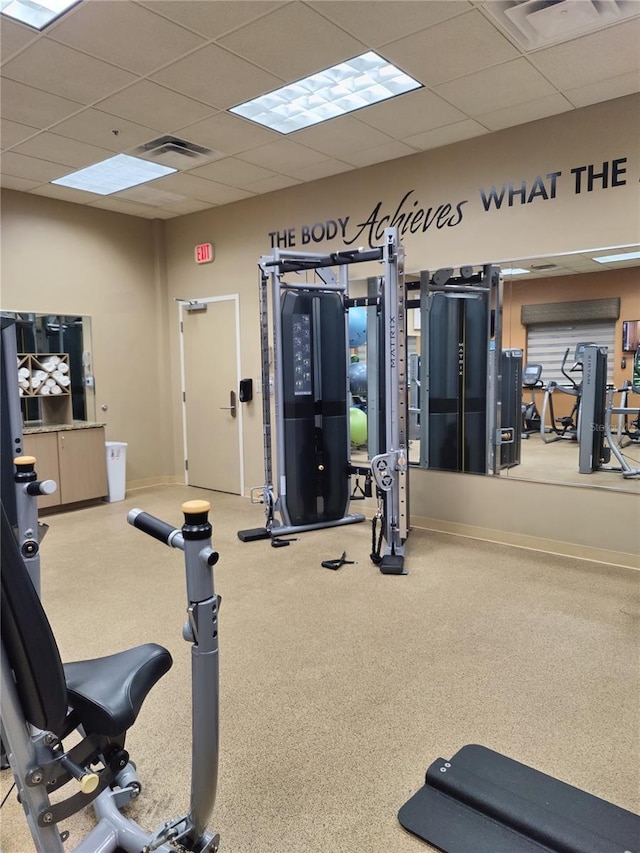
{"type": "Point", "coordinates": [107, 693]}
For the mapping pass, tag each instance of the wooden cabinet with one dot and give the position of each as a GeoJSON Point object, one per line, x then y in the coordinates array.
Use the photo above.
{"type": "Point", "coordinates": [44, 446]}
{"type": "Point", "coordinates": [74, 458]}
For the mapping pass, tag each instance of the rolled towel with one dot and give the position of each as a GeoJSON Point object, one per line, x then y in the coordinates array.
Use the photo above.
{"type": "Point", "coordinates": [61, 379]}
{"type": "Point", "coordinates": [63, 367]}
{"type": "Point", "coordinates": [51, 363]}
{"type": "Point", "coordinates": [45, 390]}
{"type": "Point", "coordinates": [55, 389]}
{"type": "Point", "coordinates": [23, 373]}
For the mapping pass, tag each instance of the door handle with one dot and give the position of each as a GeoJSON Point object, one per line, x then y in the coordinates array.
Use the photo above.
{"type": "Point", "coordinates": [232, 407]}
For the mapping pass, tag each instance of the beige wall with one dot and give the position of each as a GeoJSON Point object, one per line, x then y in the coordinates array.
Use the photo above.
{"type": "Point", "coordinates": [66, 259]}
{"type": "Point", "coordinates": [112, 267]}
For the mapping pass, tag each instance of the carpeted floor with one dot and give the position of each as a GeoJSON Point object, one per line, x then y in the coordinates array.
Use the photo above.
{"type": "Point", "coordinates": [338, 689]}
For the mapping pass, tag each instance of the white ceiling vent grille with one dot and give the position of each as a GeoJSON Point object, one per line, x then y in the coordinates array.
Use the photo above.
{"type": "Point", "coordinates": [176, 153]}
{"type": "Point", "coordinates": [539, 23]}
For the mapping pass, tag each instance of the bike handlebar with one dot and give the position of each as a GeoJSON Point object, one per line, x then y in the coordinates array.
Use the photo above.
{"type": "Point", "coordinates": [155, 527]}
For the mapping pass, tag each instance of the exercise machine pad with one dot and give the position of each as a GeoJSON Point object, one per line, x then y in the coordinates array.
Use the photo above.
{"type": "Point", "coordinates": [483, 802]}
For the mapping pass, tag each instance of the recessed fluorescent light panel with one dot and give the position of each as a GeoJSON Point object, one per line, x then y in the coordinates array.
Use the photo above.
{"type": "Point", "coordinates": [114, 175]}
{"type": "Point", "coordinates": [37, 15]}
{"type": "Point", "coordinates": [348, 86]}
{"type": "Point", "coordinates": [623, 256]}
{"type": "Point", "coordinates": [514, 271]}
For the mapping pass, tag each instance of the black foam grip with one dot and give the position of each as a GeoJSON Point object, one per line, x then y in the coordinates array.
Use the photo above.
{"type": "Point", "coordinates": [153, 526]}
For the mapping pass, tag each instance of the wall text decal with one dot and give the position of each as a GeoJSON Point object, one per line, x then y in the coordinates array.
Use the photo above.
{"type": "Point", "coordinates": [412, 216]}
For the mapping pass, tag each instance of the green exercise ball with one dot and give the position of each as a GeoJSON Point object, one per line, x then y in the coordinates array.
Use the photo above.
{"type": "Point", "coordinates": [357, 426]}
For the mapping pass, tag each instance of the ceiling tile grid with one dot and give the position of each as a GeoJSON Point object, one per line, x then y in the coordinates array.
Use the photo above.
{"type": "Point", "coordinates": [111, 76]}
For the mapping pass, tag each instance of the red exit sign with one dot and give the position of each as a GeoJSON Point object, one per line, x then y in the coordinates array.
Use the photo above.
{"type": "Point", "coordinates": [204, 253]}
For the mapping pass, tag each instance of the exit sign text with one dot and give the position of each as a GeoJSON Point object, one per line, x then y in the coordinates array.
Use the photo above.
{"type": "Point", "coordinates": [204, 253]}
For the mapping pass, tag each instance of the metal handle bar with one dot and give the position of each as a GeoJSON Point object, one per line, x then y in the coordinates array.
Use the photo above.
{"type": "Point", "coordinates": [155, 527]}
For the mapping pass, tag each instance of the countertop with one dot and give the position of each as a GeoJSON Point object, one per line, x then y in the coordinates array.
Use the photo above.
{"type": "Point", "coordinates": [36, 428]}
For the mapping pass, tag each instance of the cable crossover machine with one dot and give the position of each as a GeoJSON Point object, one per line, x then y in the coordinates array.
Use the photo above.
{"type": "Point", "coordinates": [305, 342]}
{"type": "Point", "coordinates": [308, 484]}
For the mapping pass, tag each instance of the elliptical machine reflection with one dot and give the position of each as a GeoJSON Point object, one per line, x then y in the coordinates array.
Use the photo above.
{"type": "Point", "coordinates": [565, 427]}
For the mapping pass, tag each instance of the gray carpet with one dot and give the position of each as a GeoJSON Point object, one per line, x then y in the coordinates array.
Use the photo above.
{"type": "Point", "coordinates": [338, 689]}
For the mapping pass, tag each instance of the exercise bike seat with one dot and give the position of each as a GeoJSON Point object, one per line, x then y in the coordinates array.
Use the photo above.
{"type": "Point", "coordinates": [107, 693]}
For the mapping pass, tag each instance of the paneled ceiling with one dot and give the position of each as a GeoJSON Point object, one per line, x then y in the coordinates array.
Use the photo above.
{"type": "Point", "coordinates": [112, 75]}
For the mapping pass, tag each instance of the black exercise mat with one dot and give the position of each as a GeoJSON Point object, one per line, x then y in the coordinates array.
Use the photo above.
{"type": "Point", "coordinates": [483, 802]}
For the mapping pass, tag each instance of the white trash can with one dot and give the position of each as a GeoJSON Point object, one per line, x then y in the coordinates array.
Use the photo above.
{"type": "Point", "coordinates": [116, 470]}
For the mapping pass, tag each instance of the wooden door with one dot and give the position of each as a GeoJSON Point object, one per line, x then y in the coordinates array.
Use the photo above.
{"type": "Point", "coordinates": [211, 375]}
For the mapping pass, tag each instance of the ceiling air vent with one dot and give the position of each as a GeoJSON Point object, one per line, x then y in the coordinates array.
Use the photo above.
{"type": "Point", "coordinates": [540, 267]}
{"type": "Point", "coordinates": [539, 23]}
{"type": "Point", "coordinates": [176, 153]}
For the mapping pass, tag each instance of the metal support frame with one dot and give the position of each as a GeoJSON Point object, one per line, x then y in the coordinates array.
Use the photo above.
{"type": "Point", "coordinates": [621, 411]}
{"type": "Point", "coordinates": [389, 468]}
{"type": "Point", "coordinates": [201, 630]}
{"type": "Point", "coordinates": [386, 297]}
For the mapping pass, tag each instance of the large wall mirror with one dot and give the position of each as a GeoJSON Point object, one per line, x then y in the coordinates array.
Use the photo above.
{"type": "Point", "coordinates": [54, 367]}
{"type": "Point", "coordinates": [552, 306]}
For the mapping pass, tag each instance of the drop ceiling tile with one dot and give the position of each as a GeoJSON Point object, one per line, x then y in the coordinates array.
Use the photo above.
{"type": "Point", "coordinates": [269, 185]}
{"type": "Point", "coordinates": [59, 149]}
{"type": "Point", "coordinates": [11, 182]}
{"type": "Point", "coordinates": [151, 194]}
{"type": "Point", "coordinates": [496, 88]}
{"type": "Point", "coordinates": [412, 113]}
{"type": "Point", "coordinates": [32, 168]}
{"type": "Point", "coordinates": [12, 133]}
{"type": "Point", "coordinates": [233, 172]}
{"type": "Point", "coordinates": [190, 206]}
{"type": "Point", "coordinates": [213, 18]}
{"type": "Point", "coordinates": [125, 34]}
{"type": "Point", "coordinates": [607, 53]}
{"type": "Point", "coordinates": [13, 37]}
{"type": "Point", "coordinates": [154, 106]}
{"type": "Point", "coordinates": [118, 205]}
{"type": "Point", "coordinates": [377, 22]}
{"type": "Point", "coordinates": [604, 90]}
{"type": "Point", "coordinates": [65, 194]}
{"type": "Point", "coordinates": [282, 156]}
{"type": "Point", "coordinates": [32, 107]}
{"type": "Point", "coordinates": [448, 135]}
{"type": "Point", "coordinates": [342, 136]}
{"type": "Point", "coordinates": [219, 194]}
{"type": "Point", "coordinates": [215, 76]}
{"type": "Point", "coordinates": [228, 133]}
{"type": "Point", "coordinates": [389, 151]}
{"type": "Point", "coordinates": [97, 128]}
{"type": "Point", "coordinates": [293, 41]}
{"type": "Point", "coordinates": [452, 49]}
{"type": "Point", "coordinates": [325, 169]}
{"type": "Point", "coordinates": [202, 189]}
{"type": "Point", "coordinates": [77, 76]}
{"type": "Point", "coordinates": [551, 105]}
